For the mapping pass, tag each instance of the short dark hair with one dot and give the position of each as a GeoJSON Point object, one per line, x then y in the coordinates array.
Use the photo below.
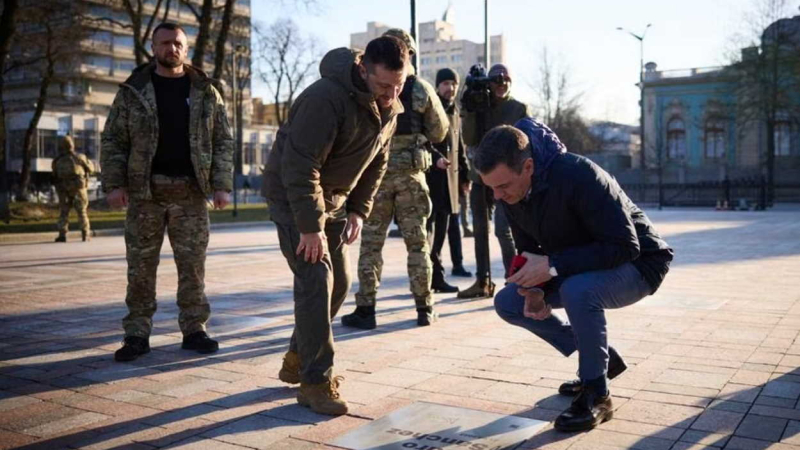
{"type": "Point", "coordinates": [168, 26]}
{"type": "Point", "coordinates": [503, 144]}
{"type": "Point", "coordinates": [387, 50]}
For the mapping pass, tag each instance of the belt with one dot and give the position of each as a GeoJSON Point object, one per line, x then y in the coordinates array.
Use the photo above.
{"type": "Point", "coordinates": [166, 179]}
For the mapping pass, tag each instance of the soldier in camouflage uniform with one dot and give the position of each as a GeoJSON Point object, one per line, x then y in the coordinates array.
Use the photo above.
{"type": "Point", "coordinates": [167, 146]}
{"type": "Point", "coordinates": [404, 192]}
{"type": "Point", "coordinates": [71, 177]}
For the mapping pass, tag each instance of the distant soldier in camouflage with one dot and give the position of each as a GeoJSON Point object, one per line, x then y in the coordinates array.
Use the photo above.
{"type": "Point", "coordinates": [404, 192]}
{"type": "Point", "coordinates": [167, 146]}
{"type": "Point", "coordinates": [71, 177]}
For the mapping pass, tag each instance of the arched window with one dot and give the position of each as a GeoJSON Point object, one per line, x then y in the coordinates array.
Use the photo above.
{"type": "Point", "coordinates": [676, 138]}
{"type": "Point", "coordinates": [715, 139]}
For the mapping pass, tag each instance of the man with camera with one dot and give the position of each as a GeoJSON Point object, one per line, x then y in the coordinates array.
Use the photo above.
{"type": "Point", "coordinates": [403, 192]}
{"type": "Point", "coordinates": [586, 247]}
{"type": "Point", "coordinates": [488, 103]}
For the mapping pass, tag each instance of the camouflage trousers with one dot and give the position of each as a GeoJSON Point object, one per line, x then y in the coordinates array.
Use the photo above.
{"type": "Point", "coordinates": [67, 200]}
{"type": "Point", "coordinates": [405, 195]}
{"type": "Point", "coordinates": [178, 206]}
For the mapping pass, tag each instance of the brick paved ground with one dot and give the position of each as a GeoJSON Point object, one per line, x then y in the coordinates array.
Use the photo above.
{"type": "Point", "coordinates": [714, 354]}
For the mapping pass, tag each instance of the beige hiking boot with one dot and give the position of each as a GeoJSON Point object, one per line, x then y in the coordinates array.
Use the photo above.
{"type": "Point", "coordinates": [290, 371]}
{"type": "Point", "coordinates": [323, 398]}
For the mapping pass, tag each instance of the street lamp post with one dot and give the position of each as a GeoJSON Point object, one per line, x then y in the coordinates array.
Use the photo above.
{"type": "Point", "coordinates": [640, 38]}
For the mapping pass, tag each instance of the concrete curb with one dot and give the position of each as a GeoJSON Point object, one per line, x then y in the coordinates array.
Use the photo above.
{"type": "Point", "coordinates": [50, 236]}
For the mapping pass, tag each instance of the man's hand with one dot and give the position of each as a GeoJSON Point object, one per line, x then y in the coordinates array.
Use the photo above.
{"type": "Point", "coordinates": [117, 198]}
{"type": "Point", "coordinates": [535, 306]}
{"type": "Point", "coordinates": [221, 199]}
{"type": "Point", "coordinates": [535, 272]}
{"type": "Point", "coordinates": [442, 163]}
{"type": "Point", "coordinates": [466, 187]}
{"type": "Point", "coordinates": [313, 246]}
{"type": "Point", "coordinates": [353, 227]}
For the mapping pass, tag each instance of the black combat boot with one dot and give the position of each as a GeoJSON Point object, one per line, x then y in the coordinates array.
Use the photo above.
{"type": "Point", "coordinates": [480, 289]}
{"type": "Point", "coordinates": [132, 348]}
{"type": "Point", "coordinates": [589, 409]}
{"type": "Point", "coordinates": [615, 367]}
{"type": "Point", "coordinates": [363, 317]}
{"type": "Point", "coordinates": [440, 286]}
{"type": "Point", "coordinates": [200, 342]}
{"type": "Point", "coordinates": [61, 238]}
{"type": "Point", "coordinates": [426, 316]}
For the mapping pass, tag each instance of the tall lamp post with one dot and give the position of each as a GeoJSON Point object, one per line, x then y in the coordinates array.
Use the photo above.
{"type": "Point", "coordinates": [640, 38]}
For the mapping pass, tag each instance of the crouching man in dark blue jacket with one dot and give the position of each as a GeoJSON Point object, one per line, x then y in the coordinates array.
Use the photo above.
{"type": "Point", "coordinates": [588, 247]}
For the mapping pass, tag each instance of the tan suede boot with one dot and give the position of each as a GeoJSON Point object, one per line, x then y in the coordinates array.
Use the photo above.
{"type": "Point", "coordinates": [290, 371]}
{"type": "Point", "coordinates": [323, 398]}
{"type": "Point", "coordinates": [480, 289]}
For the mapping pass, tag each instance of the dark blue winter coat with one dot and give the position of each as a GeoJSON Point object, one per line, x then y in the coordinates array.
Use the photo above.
{"type": "Point", "coordinates": [578, 215]}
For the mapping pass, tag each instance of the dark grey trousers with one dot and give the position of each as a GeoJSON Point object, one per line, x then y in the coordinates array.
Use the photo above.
{"type": "Point", "coordinates": [319, 291]}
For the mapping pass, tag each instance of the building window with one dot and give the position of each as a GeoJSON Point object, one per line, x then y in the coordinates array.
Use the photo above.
{"type": "Point", "coordinates": [455, 58]}
{"type": "Point", "coordinates": [441, 59]}
{"type": "Point", "coordinates": [676, 139]}
{"type": "Point", "coordinates": [783, 138]}
{"type": "Point", "coordinates": [715, 139]}
{"type": "Point", "coordinates": [48, 144]}
{"type": "Point", "coordinates": [123, 41]}
{"type": "Point", "coordinates": [124, 66]}
{"type": "Point", "coordinates": [249, 153]}
{"type": "Point", "coordinates": [425, 60]}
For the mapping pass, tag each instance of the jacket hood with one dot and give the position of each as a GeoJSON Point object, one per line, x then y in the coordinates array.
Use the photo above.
{"type": "Point", "coordinates": [337, 65]}
{"type": "Point", "coordinates": [142, 75]}
{"type": "Point", "coordinates": [545, 145]}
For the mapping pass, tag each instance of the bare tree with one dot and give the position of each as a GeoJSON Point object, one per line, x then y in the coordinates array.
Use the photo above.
{"type": "Point", "coordinates": [285, 62]}
{"type": "Point", "coordinates": [141, 23]}
{"type": "Point", "coordinates": [768, 78]}
{"type": "Point", "coordinates": [54, 30]}
{"type": "Point", "coordinates": [559, 108]}
{"type": "Point", "coordinates": [7, 30]}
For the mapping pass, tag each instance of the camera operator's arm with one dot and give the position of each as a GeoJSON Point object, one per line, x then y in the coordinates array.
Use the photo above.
{"type": "Point", "coordinates": [469, 128]}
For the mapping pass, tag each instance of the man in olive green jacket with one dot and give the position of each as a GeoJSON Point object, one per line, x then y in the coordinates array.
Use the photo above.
{"type": "Point", "coordinates": [322, 174]}
{"type": "Point", "coordinates": [166, 147]}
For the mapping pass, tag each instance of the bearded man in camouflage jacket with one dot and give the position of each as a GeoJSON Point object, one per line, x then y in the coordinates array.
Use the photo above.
{"type": "Point", "coordinates": [167, 146]}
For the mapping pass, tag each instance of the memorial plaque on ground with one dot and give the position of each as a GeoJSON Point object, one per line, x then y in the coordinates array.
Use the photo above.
{"type": "Point", "coordinates": [428, 426]}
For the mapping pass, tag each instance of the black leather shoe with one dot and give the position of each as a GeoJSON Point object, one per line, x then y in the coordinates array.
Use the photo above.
{"type": "Point", "coordinates": [361, 318]}
{"type": "Point", "coordinates": [395, 232]}
{"type": "Point", "coordinates": [132, 348]}
{"type": "Point", "coordinates": [615, 367]}
{"type": "Point", "coordinates": [443, 287]}
{"type": "Point", "coordinates": [460, 271]}
{"type": "Point", "coordinates": [587, 411]}
{"type": "Point", "coordinates": [61, 238]}
{"type": "Point", "coordinates": [200, 342]}
{"type": "Point", "coordinates": [426, 316]}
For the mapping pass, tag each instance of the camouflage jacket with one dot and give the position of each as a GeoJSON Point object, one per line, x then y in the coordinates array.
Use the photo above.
{"type": "Point", "coordinates": [433, 121]}
{"type": "Point", "coordinates": [71, 171]}
{"type": "Point", "coordinates": [130, 136]}
{"type": "Point", "coordinates": [333, 149]}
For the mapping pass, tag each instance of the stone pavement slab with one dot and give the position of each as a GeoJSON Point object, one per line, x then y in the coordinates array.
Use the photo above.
{"type": "Point", "coordinates": [714, 355]}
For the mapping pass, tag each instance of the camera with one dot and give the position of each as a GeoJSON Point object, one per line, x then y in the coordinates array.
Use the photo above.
{"type": "Point", "coordinates": [477, 95]}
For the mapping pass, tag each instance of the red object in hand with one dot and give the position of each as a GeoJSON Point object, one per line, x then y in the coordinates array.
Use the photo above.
{"type": "Point", "coordinates": [517, 264]}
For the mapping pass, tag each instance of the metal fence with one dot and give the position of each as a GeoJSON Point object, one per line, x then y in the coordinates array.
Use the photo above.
{"type": "Point", "coordinates": [743, 193]}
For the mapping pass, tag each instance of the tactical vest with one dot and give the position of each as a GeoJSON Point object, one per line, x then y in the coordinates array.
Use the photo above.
{"type": "Point", "coordinates": [410, 122]}
{"type": "Point", "coordinates": [70, 172]}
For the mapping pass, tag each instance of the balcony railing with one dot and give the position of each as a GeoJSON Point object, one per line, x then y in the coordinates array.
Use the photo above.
{"type": "Point", "coordinates": [682, 73]}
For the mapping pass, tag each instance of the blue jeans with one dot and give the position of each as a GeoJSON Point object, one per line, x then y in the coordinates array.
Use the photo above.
{"type": "Point", "coordinates": [584, 297]}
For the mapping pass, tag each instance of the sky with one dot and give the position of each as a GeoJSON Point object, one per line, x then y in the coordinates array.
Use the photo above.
{"type": "Point", "coordinates": [602, 63]}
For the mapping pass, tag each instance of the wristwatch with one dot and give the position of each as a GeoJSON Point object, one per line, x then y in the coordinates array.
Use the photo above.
{"type": "Point", "coordinates": [553, 271]}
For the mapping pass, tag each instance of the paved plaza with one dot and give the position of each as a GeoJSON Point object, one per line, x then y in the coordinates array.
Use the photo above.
{"type": "Point", "coordinates": [714, 356]}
